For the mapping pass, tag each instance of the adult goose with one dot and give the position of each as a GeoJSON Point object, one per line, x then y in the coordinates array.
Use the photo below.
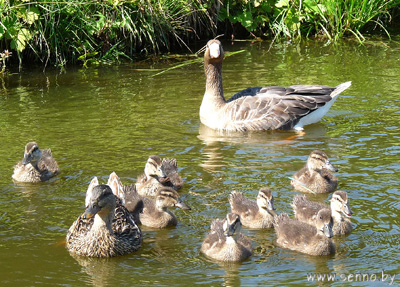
{"type": "Point", "coordinates": [261, 108]}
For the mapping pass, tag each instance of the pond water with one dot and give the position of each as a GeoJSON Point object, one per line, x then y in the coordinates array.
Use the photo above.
{"type": "Point", "coordinates": [112, 118]}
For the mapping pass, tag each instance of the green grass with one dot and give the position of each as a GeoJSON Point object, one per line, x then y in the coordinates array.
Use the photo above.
{"type": "Point", "coordinates": [92, 32]}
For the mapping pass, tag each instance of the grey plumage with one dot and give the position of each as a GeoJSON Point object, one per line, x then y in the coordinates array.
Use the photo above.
{"type": "Point", "coordinates": [316, 175]}
{"type": "Point", "coordinates": [36, 166]}
{"type": "Point", "coordinates": [225, 242]}
{"type": "Point", "coordinates": [302, 237]}
{"type": "Point", "coordinates": [260, 108]}
{"type": "Point", "coordinates": [306, 211]}
{"type": "Point", "coordinates": [254, 214]}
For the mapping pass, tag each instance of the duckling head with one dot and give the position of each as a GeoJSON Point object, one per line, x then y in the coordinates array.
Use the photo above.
{"type": "Point", "coordinates": [339, 203]}
{"type": "Point", "coordinates": [153, 167]}
{"type": "Point", "coordinates": [102, 203]}
{"type": "Point", "coordinates": [324, 222]}
{"type": "Point", "coordinates": [265, 199]}
{"type": "Point", "coordinates": [318, 160]}
{"type": "Point", "coordinates": [232, 224]}
{"type": "Point", "coordinates": [168, 197]}
{"type": "Point", "coordinates": [32, 154]}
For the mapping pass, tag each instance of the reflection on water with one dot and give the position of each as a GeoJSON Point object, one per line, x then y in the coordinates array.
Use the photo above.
{"type": "Point", "coordinates": [109, 119]}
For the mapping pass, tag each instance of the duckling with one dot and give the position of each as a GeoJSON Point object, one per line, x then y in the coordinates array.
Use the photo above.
{"type": "Point", "coordinates": [306, 211]}
{"type": "Point", "coordinates": [127, 195]}
{"type": "Point", "coordinates": [105, 229]}
{"type": "Point", "coordinates": [170, 170]}
{"type": "Point", "coordinates": [315, 176]}
{"type": "Point", "coordinates": [148, 183]}
{"type": "Point", "coordinates": [155, 211]}
{"type": "Point", "coordinates": [225, 242]}
{"type": "Point", "coordinates": [254, 214]}
{"type": "Point", "coordinates": [36, 166]}
{"type": "Point", "coordinates": [302, 237]}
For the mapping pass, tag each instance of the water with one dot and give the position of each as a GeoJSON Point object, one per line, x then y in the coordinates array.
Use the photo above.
{"type": "Point", "coordinates": [112, 118]}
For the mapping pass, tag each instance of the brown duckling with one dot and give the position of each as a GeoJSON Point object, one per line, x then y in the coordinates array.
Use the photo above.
{"type": "Point", "coordinates": [315, 176]}
{"type": "Point", "coordinates": [105, 229]}
{"type": "Point", "coordinates": [261, 108]}
{"type": "Point", "coordinates": [302, 237]}
{"type": "Point", "coordinates": [225, 242]}
{"type": "Point", "coordinates": [155, 210]}
{"type": "Point", "coordinates": [306, 211]}
{"type": "Point", "coordinates": [254, 214]}
{"type": "Point", "coordinates": [36, 166]}
{"type": "Point", "coordinates": [170, 170]}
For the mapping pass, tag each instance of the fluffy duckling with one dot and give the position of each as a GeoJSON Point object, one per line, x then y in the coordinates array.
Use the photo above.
{"type": "Point", "coordinates": [36, 166]}
{"type": "Point", "coordinates": [105, 229]}
{"type": "Point", "coordinates": [315, 176]}
{"type": "Point", "coordinates": [170, 170]}
{"type": "Point", "coordinates": [254, 214]}
{"type": "Point", "coordinates": [155, 210]}
{"type": "Point", "coordinates": [158, 173]}
{"type": "Point", "coordinates": [306, 211]}
{"type": "Point", "coordinates": [225, 242]}
{"type": "Point", "coordinates": [302, 237]}
{"type": "Point", "coordinates": [127, 194]}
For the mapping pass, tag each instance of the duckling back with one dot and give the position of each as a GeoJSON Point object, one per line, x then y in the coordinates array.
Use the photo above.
{"type": "Point", "coordinates": [302, 237]}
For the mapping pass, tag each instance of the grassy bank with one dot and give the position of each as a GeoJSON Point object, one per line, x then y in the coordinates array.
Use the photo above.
{"type": "Point", "coordinates": [57, 33]}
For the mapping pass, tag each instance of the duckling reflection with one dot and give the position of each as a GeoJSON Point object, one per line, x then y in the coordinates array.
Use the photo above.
{"type": "Point", "coordinates": [36, 166]}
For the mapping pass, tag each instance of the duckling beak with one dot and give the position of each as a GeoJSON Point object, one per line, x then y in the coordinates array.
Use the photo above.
{"type": "Point", "coordinates": [230, 231]}
{"type": "Point", "coordinates": [347, 211]}
{"type": "Point", "coordinates": [27, 158]}
{"type": "Point", "coordinates": [328, 230]}
{"type": "Point", "coordinates": [271, 205]}
{"type": "Point", "coordinates": [183, 205]}
{"type": "Point", "coordinates": [329, 166]}
{"type": "Point", "coordinates": [91, 211]}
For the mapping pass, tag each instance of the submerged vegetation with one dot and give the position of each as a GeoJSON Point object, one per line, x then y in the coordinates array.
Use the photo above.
{"type": "Point", "coordinates": [94, 31]}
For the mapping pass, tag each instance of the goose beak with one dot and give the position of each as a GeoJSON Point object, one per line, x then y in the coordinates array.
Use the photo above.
{"type": "Point", "coordinates": [214, 49]}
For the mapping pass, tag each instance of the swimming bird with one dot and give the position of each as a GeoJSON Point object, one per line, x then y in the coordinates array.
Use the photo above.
{"type": "Point", "coordinates": [158, 173]}
{"type": "Point", "coordinates": [254, 214]}
{"type": "Point", "coordinates": [225, 242]}
{"type": "Point", "coordinates": [36, 166]}
{"type": "Point", "coordinates": [105, 229]}
{"type": "Point", "coordinates": [305, 238]}
{"type": "Point", "coordinates": [306, 211]}
{"type": "Point", "coordinates": [315, 176]}
{"type": "Point", "coordinates": [261, 108]}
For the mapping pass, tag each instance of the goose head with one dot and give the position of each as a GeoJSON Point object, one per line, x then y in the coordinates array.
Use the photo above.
{"type": "Point", "coordinates": [168, 197]}
{"type": "Point", "coordinates": [214, 53]}
{"type": "Point", "coordinates": [318, 160]}
{"type": "Point", "coordinates": [324, 222]}
{"type": "Point", "coordinates": [153, 167]}
{"type": "Point", "coordinates": [232, 224]}
{"type": "Point", "coordinates": [265, 200]}
{"type": "Point", "coordinates": [102, 203]}
{"type": "Point", "coordinates": [32, 154]}
{"type": "Point", "coordinates": [339, 203]}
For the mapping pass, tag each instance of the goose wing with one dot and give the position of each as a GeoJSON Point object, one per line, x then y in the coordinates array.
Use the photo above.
{"type": "Point", "coordinates": [270, 108]}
